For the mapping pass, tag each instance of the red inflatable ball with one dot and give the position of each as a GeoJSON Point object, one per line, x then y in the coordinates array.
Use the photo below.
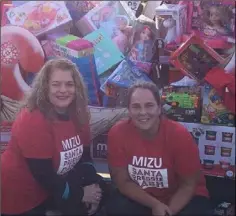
{"type": "Point", "coordinates": [21, 53]}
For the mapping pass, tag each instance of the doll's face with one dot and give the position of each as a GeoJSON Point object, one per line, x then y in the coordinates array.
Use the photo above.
{"type": "Point", "coordinates": [215, 16]}
{"type": "Point", "coordinates": [145, 34]}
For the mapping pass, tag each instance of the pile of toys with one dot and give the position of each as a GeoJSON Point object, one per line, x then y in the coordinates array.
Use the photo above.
{"type": "Point", "coordinates": [173, 44]}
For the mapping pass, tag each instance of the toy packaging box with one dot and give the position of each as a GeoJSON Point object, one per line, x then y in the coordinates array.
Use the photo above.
{"type": "Point", "coordinates": [182, 103]}
{"type": "Point", "coordinates": [5, 8]}
{"type": "Point", "coordinates": [78, 9]}
{"type": "Point", "coordinates": [213, 110]}
{"type": "Point", "coordinates": [212, 20]}
{"type": "Point", "coordinates": [216, 148]}
{"type": "Point", "coordinates": [39, 17]}
{"type": "Point", "coordinates": [133, 5]}
{"type": "Point", "coordinates": [194, 58]}
{"type": "Point", "coordinates": [106, 53]}
{"type": "Point", "coordinates": [124, 76]}
{"type": "Point", "coordinates": [171, 20]}
{"type": "Point", "coordinates": [81, 52]}
{"type": "Point", "coordinates": [107, 14]}
{"type": "Point", "coordinates": [143, 43]}
{"type": "Point", "coordinates": [113, 16]}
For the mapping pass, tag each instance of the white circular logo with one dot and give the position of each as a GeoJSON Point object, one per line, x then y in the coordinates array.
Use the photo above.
{"type": "Point", "coordinates": [229, 173]}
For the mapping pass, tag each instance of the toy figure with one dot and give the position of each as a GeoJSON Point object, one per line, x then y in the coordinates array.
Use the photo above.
{"type": "Point", "coordinates": [143, 41]}
{"type": "Point", "coordinates": [170, 24]}
{"type": "Point", "coordinates": [215, 20]}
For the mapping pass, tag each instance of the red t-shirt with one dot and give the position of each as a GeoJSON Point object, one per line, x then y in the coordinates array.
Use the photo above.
{"type": "Point", "coordinates": [33, 136]}
{"type": "Point", "coordinates": [157, 164]}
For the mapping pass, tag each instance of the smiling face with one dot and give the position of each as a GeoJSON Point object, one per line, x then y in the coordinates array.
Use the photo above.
{"type": "Point", "coordinates": [61, 89]}
{"type": "Point", "coordinates": [144, 110]}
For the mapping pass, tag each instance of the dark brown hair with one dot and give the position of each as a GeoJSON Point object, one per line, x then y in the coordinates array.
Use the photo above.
{"type": "Point", "coordinates": [144, 85]}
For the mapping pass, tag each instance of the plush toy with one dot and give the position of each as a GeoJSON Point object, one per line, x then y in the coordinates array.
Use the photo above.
{"type": "Point", "coordinates": [21, 53]}
{"type": "Point", "coordinates": [170, 24]}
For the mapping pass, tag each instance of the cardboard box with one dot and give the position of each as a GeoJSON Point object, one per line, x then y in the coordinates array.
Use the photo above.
{"type": "Point", "coordinates": [216, 146]}
{"type": "Point", "coordinates": [39, 17]}
{"type": "Point", "coordinates": [106, 53]}
{"type": "Point", "coordinates": [106, 15]}
{"type": "Point", "coordinates": [171, 20]}
{"type": "Point", "coordinates": [213, 110]}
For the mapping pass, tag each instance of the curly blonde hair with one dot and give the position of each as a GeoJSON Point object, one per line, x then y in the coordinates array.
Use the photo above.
{"type": "Point", "coordinates": [38, 96]}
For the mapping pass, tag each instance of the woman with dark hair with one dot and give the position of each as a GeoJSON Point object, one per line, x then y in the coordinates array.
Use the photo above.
{"type": "Point", "coordinates": [48, 157]}
{"type": "Point", "coordinates": [154, 162]}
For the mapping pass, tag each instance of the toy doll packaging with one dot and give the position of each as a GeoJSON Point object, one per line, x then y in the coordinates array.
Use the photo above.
{"type": "Point", "coordinates": [39, 17]}
{"type": "Point", "coordinates": [171, 21]}
{"type": "Point", "coordinates": [113, 16]}
{"type": "Point", "coordinates": [143, 43]}
{"type": "Point", "coordinates": [195, 58]}
{"type": "Point", "coordinates": [212, 18]}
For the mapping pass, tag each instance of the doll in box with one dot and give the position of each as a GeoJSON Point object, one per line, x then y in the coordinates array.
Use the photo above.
{"type": "Point", "coordinates": [143, 41]}
{"type": "Point", "coordinates": [113, 24]}
{"type": "Point", "coordinates": [216, 20]}
{"type": "Point", "coordinates": [170, 25]}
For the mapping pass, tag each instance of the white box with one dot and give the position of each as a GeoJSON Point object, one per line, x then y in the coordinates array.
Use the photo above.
{"type": "Point", "coordinates": [176, 13]}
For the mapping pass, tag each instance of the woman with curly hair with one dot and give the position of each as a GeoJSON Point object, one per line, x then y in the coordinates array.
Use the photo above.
{"type": "Point", "coordinates": [47, 161]}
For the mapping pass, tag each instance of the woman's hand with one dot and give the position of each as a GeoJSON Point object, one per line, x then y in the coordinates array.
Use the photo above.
{"type": "Point", "coordinates": [160, 209]}
{"type": "Point", "coordinates": [92, 194]}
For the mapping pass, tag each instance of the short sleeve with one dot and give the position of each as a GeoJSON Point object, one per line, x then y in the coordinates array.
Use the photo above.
{"type": "Point", "coordinates": [116, 149]}
{"type": "Point", "coordinates": [34, 137]}
{"type": "Point", "coordinates": [186, 153]}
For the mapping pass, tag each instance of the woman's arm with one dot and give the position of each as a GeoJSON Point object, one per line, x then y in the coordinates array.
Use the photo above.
{"type": "Point", "coordinates": [186, 164]}
{"type": "Point", "coordinates": [184, 193]}
{"type": "Point", "coordinates": [61, 189]}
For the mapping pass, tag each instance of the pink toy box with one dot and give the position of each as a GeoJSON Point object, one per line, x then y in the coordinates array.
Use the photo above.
{"type": "Point", "coordinates": [212, 20]}
{"type": "Point", "coordinates": [171, 20]}
{"type": "Point", "coordinates": [39, 17]}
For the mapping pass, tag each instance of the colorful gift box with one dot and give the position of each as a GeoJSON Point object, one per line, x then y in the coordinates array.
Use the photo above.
{"type": "Point", "coordinates": [171, 20]}
{"type": "Point", "coordinates": [78, 9]}
{"type": "Point", "coordinates": [182, 103]}
{"type": "Point", "coordinates": [5, 8]}
{"type": "Point", "coordinates": [106, 52]}
{"type": "Point", "coordinates": [214, 32]}
{"type": "Point", "coordinates": [113, 16]}
{"type": "Point", "coordinates": [194, 58]}
{"type": "Point", "coordinates": [81, 52]}
{"type": "Point", "coordinates": [216, 146]}
{"type": "Point", "coordinates": [39, 17]}
{"type": "Point", "coordinates": [213, 110]}
{"type": "Point", "coordinates": [125, 75]}
{"type": "Point", "coordinates": [143, 43]}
